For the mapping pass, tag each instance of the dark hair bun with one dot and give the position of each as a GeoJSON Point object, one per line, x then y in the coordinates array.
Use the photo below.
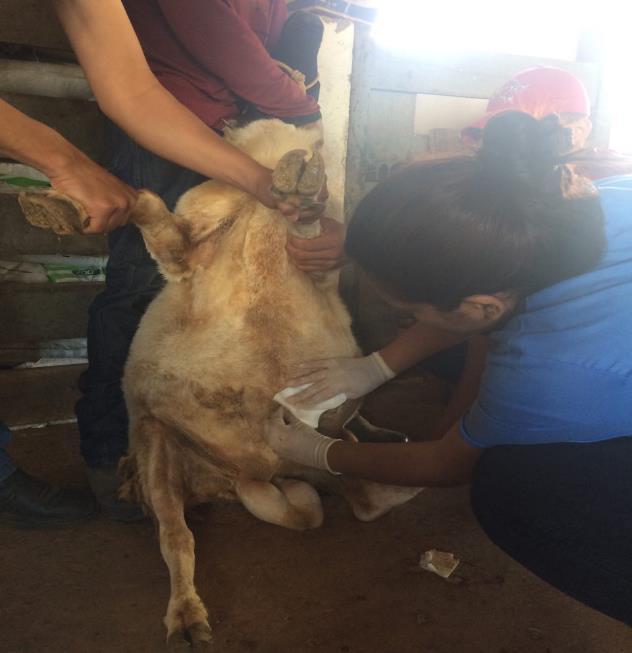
{"type": "Point", "coordinates": [516, 145]}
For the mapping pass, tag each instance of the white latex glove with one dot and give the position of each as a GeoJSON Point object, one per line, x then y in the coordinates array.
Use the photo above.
{"type": "Point", "coordinates": [298, 442]}
{"type": "Point", "coordinates": [329, 377]}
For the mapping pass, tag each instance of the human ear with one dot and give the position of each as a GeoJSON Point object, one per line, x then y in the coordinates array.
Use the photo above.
{"type": "Point", "coordinates": [581, 131]}
{"type": "Point", "coordinates": [486, 309]}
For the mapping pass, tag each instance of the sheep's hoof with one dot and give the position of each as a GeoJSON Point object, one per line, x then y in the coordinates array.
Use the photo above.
{"type": "Point", "coordinates": [287, 173]}
{"type": "Point", "coordinates": [313, 176]}
{"type": "Point", "coordinates": [54, 211]}
{"type": "Point", "coordinates": [178, 642]}
{"type": "Point", "coordinates": [197, 637]}
{"type": "Point", "coordinates": [295, 176]}
{"type": "Point", "coordinates": [201, 636]}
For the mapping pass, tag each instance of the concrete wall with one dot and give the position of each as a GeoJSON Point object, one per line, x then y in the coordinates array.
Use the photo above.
{"type": "Point", "coordinates": [389, 91]}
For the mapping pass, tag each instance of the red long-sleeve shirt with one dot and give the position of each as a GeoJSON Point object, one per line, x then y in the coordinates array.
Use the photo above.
{"type": "Point", "coordinates": [210, 53]}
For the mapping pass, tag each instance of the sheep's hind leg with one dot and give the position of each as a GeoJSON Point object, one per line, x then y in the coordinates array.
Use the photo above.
{"type": "Point", "coordinates": [293, 504]}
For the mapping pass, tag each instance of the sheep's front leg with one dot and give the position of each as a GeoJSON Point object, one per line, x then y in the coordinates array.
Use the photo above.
{"type": "Point", "coordinates": [186, 619]}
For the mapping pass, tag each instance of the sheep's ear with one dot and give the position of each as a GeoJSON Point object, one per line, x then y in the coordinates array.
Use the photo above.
{"type": "Point", "coordinates": [54, 211]}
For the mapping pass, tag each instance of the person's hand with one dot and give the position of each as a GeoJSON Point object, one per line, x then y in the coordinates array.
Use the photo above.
{"type": "Point", "coordinates": [106, 199]}
{"type": "Point", "coordinates": [321, 254]}
{"type": "Point", "coordinates": [298, 442]}
{"type": "Point", "coordinates": [329, 377]}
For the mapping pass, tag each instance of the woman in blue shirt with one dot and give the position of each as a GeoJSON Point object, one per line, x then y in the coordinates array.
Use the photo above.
{"type": "Point", "coordinates": [513, 245]}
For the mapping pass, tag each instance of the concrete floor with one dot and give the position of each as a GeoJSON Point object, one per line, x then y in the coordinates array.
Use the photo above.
{"type": "Point", "coordinates": [346, 588]}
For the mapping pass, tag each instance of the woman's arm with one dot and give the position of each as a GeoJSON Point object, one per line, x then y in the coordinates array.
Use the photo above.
{"type": "Point", "coordinates": [468, 386]}
{"type": "Point", "coordinates": [356, 377]}
{"type": "Point", "coordinates": [129, 93]}
{"type": "Point", "coordinates": [417, 343]}
{"type": "Point", "coordinates": [106, 199]}
{"type": "Point", "coordinates": [444, 462]}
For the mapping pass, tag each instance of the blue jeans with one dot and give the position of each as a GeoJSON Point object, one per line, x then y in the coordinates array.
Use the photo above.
{"type": "Point", "coordinates": [132, 281]}
{"type": "Point", "coordinates": [6, 464]}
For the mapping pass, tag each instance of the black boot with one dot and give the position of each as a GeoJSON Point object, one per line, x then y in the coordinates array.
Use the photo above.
{"type": "Point", "coordinates": [105, 483]}
{"type": "Point", "coordinates": [29, 502]}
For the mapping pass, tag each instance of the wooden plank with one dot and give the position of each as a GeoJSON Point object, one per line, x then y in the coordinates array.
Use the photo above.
{"type": "Point", "coordinates": [17, 236]}
{"type": "Point", "coordinates": [31, 22]}
{"type": "Point", "coordinates": [34, 396]}
{"type": "Point", "coordinates": [44, 311]}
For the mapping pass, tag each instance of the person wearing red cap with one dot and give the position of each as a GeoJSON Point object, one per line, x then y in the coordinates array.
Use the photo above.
{"type": "Point", "coordinates": [545, 92]}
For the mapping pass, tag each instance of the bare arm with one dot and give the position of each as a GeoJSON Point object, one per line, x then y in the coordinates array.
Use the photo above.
{"type": "Point", "coordinates": [444, 462]}
{"type": "Point", "coordinates": [129, 93]}
{"type": "Point", "coordinates": [468, 386]}
{"type": "Point", "coordinates": [105, 198]}
{"type": "Point", "coordinates": [417, 343]}
{"type": "Point", "coordinates": [356, 377]}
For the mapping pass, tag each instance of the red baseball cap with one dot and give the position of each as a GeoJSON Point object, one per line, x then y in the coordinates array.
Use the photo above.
{"type": "Point", "coordinates": [537, 91]}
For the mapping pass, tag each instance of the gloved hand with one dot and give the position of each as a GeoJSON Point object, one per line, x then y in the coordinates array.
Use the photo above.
{"type": "Point", "coordinates": [298, 442]}
{"type": "Point", "coordinates": [353, 377]}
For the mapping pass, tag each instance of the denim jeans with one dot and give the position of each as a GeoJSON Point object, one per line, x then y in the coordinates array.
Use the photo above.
{"type": "Point", "coordinates": [6, 464]}
{"type": "Point", "coordinates": [132, 281]}
{"type": "Point", "coordinates": [564, 511]}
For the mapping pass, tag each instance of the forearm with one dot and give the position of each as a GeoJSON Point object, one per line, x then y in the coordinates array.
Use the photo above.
{"type": "Point", "coordinates": [414, 465]}
{"type": "Point", "coordinates": [129, 93]}
{"type": "Point", "coordinates": [416, 344]}
{"type": "Point", "coordinates": [149, 118]}
{"type": "Point", "coordinates": [468, 386]}
{"type": "Point", "coordinates": [33, 143]}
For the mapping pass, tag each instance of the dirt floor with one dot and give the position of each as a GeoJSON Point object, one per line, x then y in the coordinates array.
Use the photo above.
{"type": "Point", "coordinates": [346, 588]}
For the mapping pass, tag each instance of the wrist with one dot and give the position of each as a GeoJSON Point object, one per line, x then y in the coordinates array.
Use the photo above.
{"type": "Point", "coordinates": [381, 367]}
{"type": "Point", "coordinates": [248, 175]}
{"type": "Point", "coordinates": [62, 161]}
{"type": "Point", "coordinates": [327, 465]}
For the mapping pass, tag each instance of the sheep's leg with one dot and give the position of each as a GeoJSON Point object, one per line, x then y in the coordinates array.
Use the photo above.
{"type": "Point", "coordinates": [369, 500]}
{"type": "Point", "coordinates": [55, 211]}
{"type": "Point", "coordinates": [64, 216]}
{"type": "Point", "coordinates": [293, 504]}
{"type": "Point", "coordinates": [163, 237]}
{"type": "Point", "coordinates": [299, 179]}
{"type": "Point", "coordinates": [186, 619]}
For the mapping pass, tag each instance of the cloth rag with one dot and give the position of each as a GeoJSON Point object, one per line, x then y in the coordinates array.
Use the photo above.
{"type": "Point", "coordinates": [309, 416]}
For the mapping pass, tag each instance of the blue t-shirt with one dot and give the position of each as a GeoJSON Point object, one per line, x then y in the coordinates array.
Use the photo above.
{"type": "Point", "coordinates": [561, 371]}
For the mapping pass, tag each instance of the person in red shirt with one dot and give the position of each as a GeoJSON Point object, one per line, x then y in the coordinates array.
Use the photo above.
{"type": "Point", "coordinates": [216, 58]}
{"type": "Point", "coordinates": [215, 55]}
